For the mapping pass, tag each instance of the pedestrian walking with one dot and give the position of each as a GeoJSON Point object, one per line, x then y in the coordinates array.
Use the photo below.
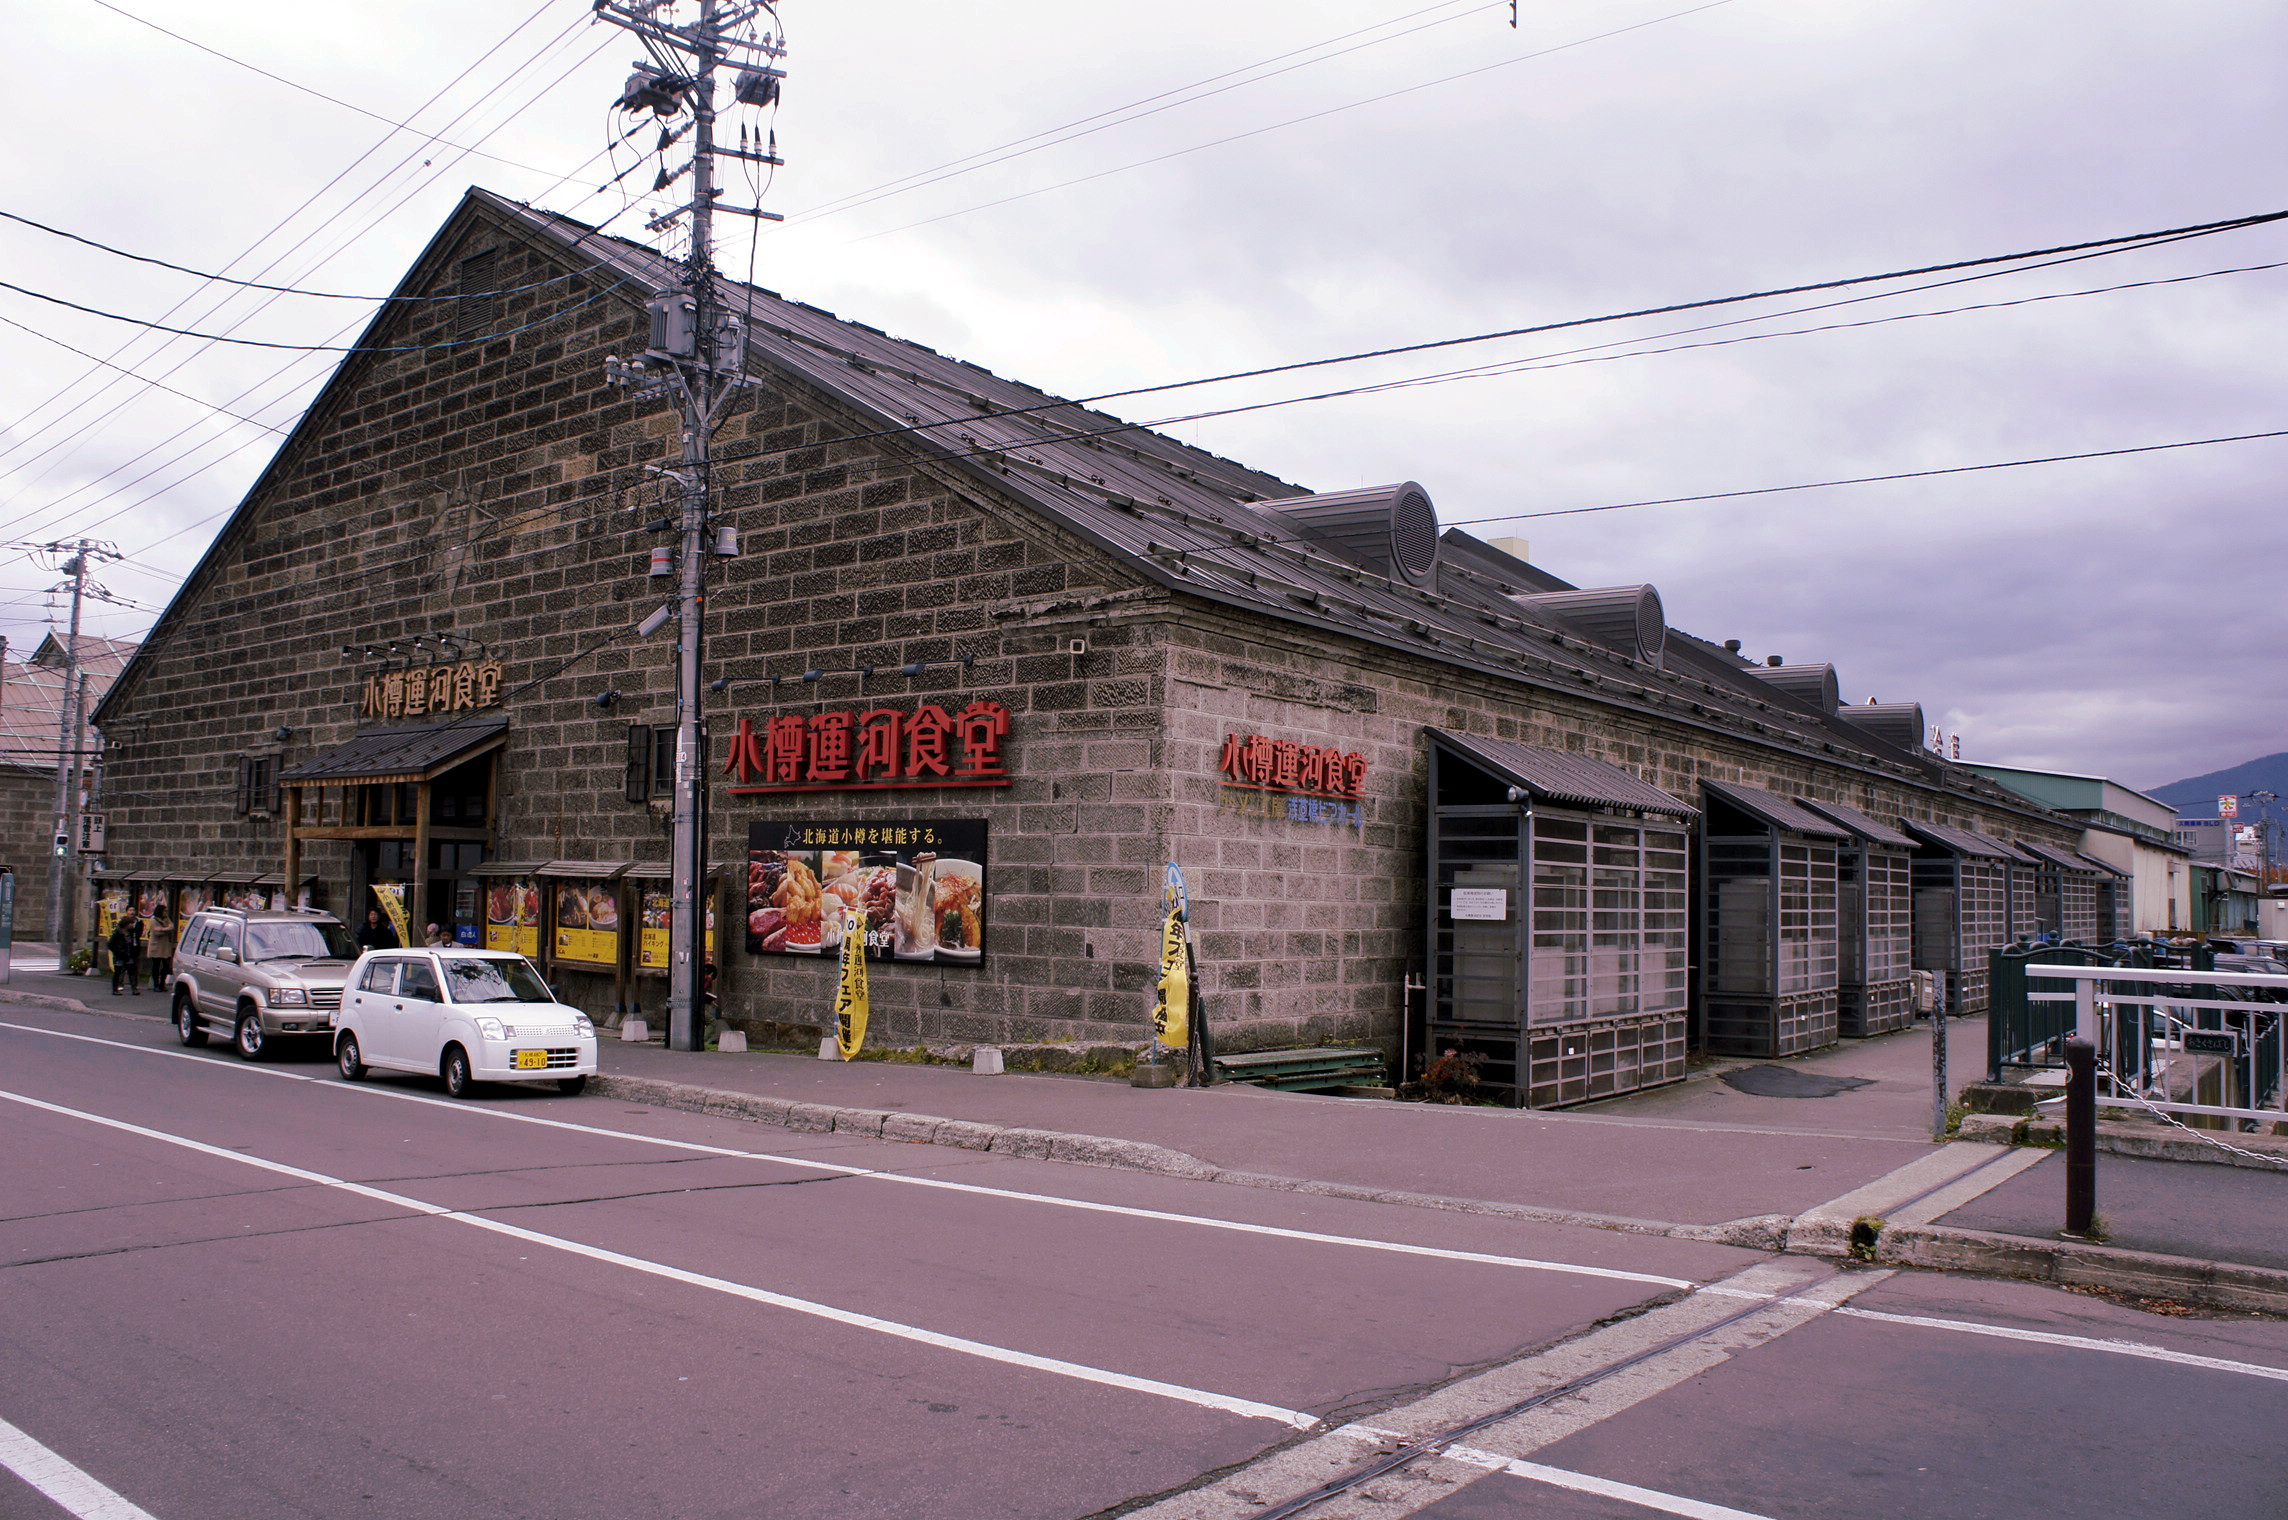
{"type": "Point", "coordinates": [126, 946]}
{"type": "Point", "coordinates": [159, 952]}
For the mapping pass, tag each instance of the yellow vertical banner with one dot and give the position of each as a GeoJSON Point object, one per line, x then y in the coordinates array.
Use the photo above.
{"type": "Point", "coordinates": [850, 999]}
{"type": "Point", "coordinates": [1172, 1015]}
{"type": "Point", "coordinates": [391, 896]}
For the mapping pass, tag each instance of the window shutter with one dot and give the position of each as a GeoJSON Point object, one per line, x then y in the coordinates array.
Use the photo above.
{"type": "Point", "coordinates": [243, 802]}
{"type": "Point", "coordinates": [639, 762]}
{"type": "Point", "coordinates": [662, 762]}
{"type": "Point", "coordinates": [473, 313]}
{"type": "Point", "coordinates": [266, 784]}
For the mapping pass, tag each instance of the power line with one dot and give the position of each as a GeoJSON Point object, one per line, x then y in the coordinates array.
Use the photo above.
{"type": "Point", "coordinates": [291, 84]}
{"type": "Point", "coordinates": [2121, 244]}
{"type": "Point", "coordinates": [308, 201]}
{"type": "Point", "coordinates": [1865, 480]}
{"type": "Point", "coordinates": [984, 158]}
{"type": "Point", "coordinates": [284, 290]}
{"type": "Point", "coordinates": [1293, 121]}
{"type": "Point", "coordinates": [299, 348]}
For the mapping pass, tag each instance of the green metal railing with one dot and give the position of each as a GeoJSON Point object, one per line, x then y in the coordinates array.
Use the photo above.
{"type": "Point", "coordinates": [2020, 1032]}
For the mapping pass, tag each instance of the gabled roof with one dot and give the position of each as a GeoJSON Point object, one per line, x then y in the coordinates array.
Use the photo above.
{"type": "Point", "coordinates": [1868, 829]}
{"type": "Point", "coordinates": [1773, 810]}
{"type": "Point", "coordinates": [1552, 776]}
{"type": "Point", "coordinates": [1175, 516]}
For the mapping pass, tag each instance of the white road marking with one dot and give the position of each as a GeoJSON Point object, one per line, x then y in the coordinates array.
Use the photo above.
{"type": "Point", "coordinates": [1201, 1397]}
{"type": "Point", "coordinates": [67, 1485]}
{"type": "Point", "coordinates": [1558, 1477]}
{"type": "Point", "coordinates": [2075, 1342]}
{"type": "Point", "coordinates": [1160, 1216]}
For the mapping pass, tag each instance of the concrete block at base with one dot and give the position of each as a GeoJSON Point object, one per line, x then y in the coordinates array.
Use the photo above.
{"type": "Point", "coordinates": [812, 1118]}
{"type": "Point", "coordinates": [967, 1134]}
{"type": "Point", "coordinates": [1031, 1143]}
{"type": "Point", "coordinates": [986, 1061]}
{"type": "Point", "coordinates": [859, 1121]}
{"type": "Point", "coordinates": [829, 1050]}
{"type": "Point", "coordinates": [634, 1029]}
{"type": "Point", "coordinates": [732, 1040]}
{"type": "Point", "coordinates": [921, 1129]}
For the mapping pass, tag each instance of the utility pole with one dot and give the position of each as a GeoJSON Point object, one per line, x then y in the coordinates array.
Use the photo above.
{"type": "Point", "coordinates": [696, 357]}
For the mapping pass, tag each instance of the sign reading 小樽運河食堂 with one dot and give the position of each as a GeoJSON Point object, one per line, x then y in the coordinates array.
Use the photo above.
{"type": "Point", "coordinates": [461, 687]}
{"type": "Point", "coordinates": [871, 750]}
{"type": "Point", "coordinates": [1323, 782]}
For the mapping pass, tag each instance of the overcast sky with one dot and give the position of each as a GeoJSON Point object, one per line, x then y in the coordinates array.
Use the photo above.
{"type": "Point", "coordinates": [2118, 615]}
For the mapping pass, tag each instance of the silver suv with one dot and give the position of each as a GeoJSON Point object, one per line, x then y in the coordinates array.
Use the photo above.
{"type": "Point", "coordinates": [256, 975]}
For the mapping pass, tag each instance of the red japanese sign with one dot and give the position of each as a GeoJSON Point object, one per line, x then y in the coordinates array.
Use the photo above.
{"type": "Point", "coordinates": [1282, 765]}
{"type": "Point", "coordinates": [842, 751]}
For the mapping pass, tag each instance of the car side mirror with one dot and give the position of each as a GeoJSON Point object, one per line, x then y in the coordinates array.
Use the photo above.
{"type": "Point", "coordinates": [225, 953]}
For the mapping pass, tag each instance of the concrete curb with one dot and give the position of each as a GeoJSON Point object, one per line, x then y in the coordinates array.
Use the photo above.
{"type": "Point", "coordinates": [1760, 1233]}
{"type": "Point", "coordinates": [2148, 1274]}
{"type": "Point", "coordinates": [66, 1005]}
{"type": "Point", "coordinates": [2129, 1140]}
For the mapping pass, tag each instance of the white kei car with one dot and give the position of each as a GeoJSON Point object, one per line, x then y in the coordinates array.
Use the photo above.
{"type": "Point", "coordinates": [468, 1016]}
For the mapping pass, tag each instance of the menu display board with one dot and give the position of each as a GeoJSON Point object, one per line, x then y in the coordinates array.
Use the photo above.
{"type": "Point", "coordinates": [587, 922]}
{"type": "Point", "coordinates": [110, 907]}
{"type": "Point", "coordinates": [152, 907]}
{"type": "Point", "coordinates": [512, 915]}
{"type": "Point", "coordinates": [919, 883]}
{"type": "Point", "coordinates": [652, 934]}
{"type": "Point", "coordinates": [190, 900]}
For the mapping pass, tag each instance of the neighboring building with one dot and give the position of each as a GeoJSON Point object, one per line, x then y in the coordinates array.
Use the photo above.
{"type": "Point", "coordinates": [2125, 830]}
{"type": "Point", "coordinates": [990, 662]}
{"type": "Point", "coordinates": [32, 709]}
{"type": "Point", "coordinates": [2227, 902]}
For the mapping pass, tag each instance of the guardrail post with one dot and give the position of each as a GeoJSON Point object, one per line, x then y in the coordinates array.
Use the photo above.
{"type": "Point", "coordinates": [2081, 1134]}
{"type": "Point", "coordinates": [2085, 1009]}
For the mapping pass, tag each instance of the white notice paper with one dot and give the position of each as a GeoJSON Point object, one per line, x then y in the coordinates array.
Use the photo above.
{"type": "Point", "coordinates": [1480, 902]}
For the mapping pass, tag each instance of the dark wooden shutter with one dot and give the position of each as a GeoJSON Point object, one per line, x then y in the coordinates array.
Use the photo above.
{"type": "Point", "coordinates": [243, 803]}
{"type": "Point", "coordinates": [639, 762]}
{"type": "Point", "coordinates": [473, 313]}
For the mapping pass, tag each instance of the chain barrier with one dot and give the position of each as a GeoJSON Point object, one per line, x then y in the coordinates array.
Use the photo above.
{"type": "Point", "coordinates": [2125, 1090]}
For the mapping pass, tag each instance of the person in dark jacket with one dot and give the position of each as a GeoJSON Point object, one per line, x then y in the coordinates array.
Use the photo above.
{"type": "Point", "coordinates": [375, 934]}
{"type": "Point", "coordinates": [126, 946]}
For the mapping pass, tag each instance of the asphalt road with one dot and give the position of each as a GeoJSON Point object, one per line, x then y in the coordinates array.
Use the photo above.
{"type": "Point", "coordinates": [252, 1291]}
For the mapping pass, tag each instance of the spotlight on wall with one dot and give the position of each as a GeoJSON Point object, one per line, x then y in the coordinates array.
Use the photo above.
{"type": "Point", "coordinates": [282, 733]}
{"type": "Point", "coordinates": [606, 698]}
{"type": "Point", "coordinates": [914, 669]}
{"type": "Point", "coordinates": [720, 683]}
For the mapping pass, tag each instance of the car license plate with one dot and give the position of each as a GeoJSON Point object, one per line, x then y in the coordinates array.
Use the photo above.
{"type": "Point", "coordinates": [532, 1060]}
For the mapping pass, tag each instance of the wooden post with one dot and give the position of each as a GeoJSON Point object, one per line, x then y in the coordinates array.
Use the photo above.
{"type": "Point", "coordinates": [417, 890]}
{"type": "Point", "coordinates": [293, 842]}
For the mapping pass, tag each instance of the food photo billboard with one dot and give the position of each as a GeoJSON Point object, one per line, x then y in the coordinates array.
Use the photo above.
{"type": "Point", "coordinates": [919, 883]}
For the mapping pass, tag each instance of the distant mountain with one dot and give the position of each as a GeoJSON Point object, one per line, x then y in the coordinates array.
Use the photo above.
{"type": "Point", "coordinates": [2196, 798]}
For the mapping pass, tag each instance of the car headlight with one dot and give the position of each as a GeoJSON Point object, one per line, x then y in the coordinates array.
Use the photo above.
{"type": "Point", "coordinates": [492, 1029]}
{"type": "Point", "coordinates": [583, 1027]}
{"type": "Point", "coordinates": [289, 995]}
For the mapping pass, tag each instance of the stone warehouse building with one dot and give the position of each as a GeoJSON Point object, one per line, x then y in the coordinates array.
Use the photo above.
{"type": "Point", "coordinates": [985, 664]}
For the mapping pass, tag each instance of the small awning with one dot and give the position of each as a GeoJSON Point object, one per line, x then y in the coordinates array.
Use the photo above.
{"type": "Point", "coordinates": [651, 870]}
{"type": "Point", "coordinates": [1856, 822]}
{"type": "Point", "coordinates": [2110, 870]}
{"type": "Point", "coordinates": [2056, 855]}
{"type": "Point", "coordinates": [584, 870]}
{"type": "Point", "coordinates": [509, 868]}
{"type": "Point", "coordinates": [420, 752]}
{"type": "Point", "coordinates": [236, 878]}
{"type": "Point", "coordinates": [1550, 776]}
{"type": "Point", "coordinates": [146, 876]}
{"type": "Point", "coordinates": [1957, 841]}
{"type": "Point", "coordinates": [1773, 811]}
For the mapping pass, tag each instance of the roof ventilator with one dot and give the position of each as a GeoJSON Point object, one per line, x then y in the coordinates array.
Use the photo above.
{"type": "Point", "coordinates": [1389, 530]}
{"type": "Point", "coordinates": [1813, 685]}
{"type": "Point", "coordinates": [1899, 723]}
{"type": "Point", "coordinates": [1626, 619]}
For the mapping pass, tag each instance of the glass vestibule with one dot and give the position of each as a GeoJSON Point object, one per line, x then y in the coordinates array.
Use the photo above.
{"type": "Point", "coordinates": [1874, 913]}
{"type": "Point", "coordinates": [1768, 938]}
{"type": "Point", "coordinates": [1559, 941]}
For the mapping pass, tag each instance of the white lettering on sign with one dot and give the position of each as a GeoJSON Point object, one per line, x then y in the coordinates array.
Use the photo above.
{"type": "Point", "coordinates": [1488, 903]}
